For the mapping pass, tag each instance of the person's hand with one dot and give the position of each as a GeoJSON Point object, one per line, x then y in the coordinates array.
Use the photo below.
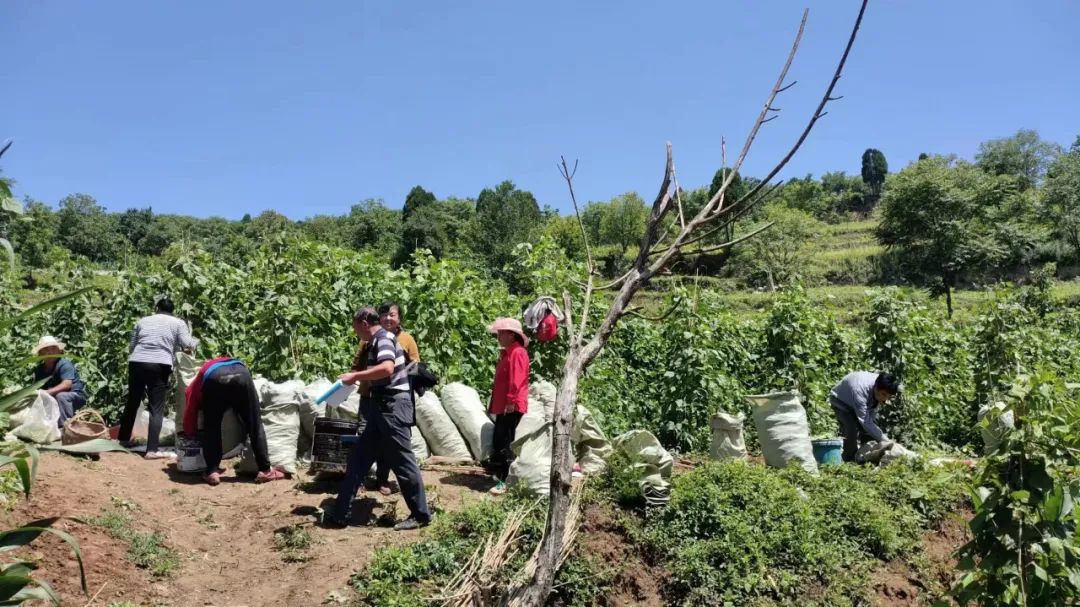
{"type": "Point", "coordinates": [510, 408]}
{"type": "Point", "coordinates": [348, 379]}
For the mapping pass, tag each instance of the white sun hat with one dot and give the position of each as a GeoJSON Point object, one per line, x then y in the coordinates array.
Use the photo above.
{"type": "Point", "coordinates": [45, 342]}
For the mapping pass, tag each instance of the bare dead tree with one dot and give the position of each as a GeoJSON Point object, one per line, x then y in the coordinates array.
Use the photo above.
{"type": "Point", "coordinates": [662, 244]}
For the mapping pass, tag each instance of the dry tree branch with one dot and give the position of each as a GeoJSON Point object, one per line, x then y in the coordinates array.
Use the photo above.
{"type": "Point", "coordinates": [568, 175]}
{"type": "Point", "coordinates": [818, 113]}
{"type": "Point", "coordinates": [762, 118]}
{"type": "Point", "coordinates": [636, 311]}
{"type": "Point", "coordinates": [733, 242]}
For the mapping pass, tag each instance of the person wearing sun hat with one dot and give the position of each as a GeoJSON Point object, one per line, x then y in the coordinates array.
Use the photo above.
{"type": "Point", "coordinates": [509, 395]}
{"type": "Point", "coordinates": [61, 377]}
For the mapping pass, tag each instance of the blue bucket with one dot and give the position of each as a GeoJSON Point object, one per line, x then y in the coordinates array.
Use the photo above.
{"type": "Point", "coordinates": [827, 452]}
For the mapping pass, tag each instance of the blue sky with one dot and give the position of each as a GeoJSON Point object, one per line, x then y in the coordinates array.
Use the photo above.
{"type": "Point", "coordinates": [226, 108]}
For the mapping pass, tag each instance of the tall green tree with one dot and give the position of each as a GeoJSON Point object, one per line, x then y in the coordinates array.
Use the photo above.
{"type": "Point", "coordinates": [944, 221]}
{"type": "Point", "coordinates": [779, 260]}
{"type": "Point", "coordinates": [874, 170]}
{"type": "Point", "coordinates": [1061, 197]}
{"type": "Point", "coordinates": [440, 227]}
{"type": "Point", "coordinates": [505, 217]}
{"type": "Point", "coordinates": [134, 224]}
{"type": "Point", "coordinates": [85, 229]}
{"type": "Point", "coordinates": [417, 199]}
{"type": "Point", "coordinates": [375, 227]}
{"type": "Point", "coordinates": [35, 237]}
{"type": "Point", "coordinates": [843, 193]}
{"type": "Point", "coordinates": [623, 221]}
{"type": "Point", "coordinates": [1024, 155]}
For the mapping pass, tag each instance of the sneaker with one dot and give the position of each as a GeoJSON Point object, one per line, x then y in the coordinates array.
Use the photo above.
{"type": "Point", "coordinates": [212, 478]}
{"type": "Point", "coordinates": [498, 489]}
{"type": "Point", "coordinates": [272, 474]}
{"type": "Point", "coordinates": [409, 524]}
{"type": "Point", "coordinates": [160, 455]}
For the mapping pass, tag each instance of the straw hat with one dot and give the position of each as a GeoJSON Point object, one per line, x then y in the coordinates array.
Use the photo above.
{"type": "Point", "coordinates": [47, 341]}
{"type": "Point", "coordinates": [509, 324]}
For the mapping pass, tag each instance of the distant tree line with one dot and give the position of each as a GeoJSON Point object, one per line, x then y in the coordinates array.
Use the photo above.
{"type": "Point", "coordinates": [945, 222]}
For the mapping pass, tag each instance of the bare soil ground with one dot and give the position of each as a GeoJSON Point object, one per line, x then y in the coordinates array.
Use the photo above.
{"type": "Point", "coordinates": [224, 534]}
{"type": "Point", "coordinates": [899, 584]}
{"type": "Point", "coordinates": [636, 582]}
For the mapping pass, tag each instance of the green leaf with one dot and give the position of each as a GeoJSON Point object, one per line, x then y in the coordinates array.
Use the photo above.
{"type": "Point", "coordinates": [45, 305]}
{"type": "Point", "coordinates": [43, 592]}
{"type": "Point", "coordinates": [5, 244]}
{"type": "Point", "coordinates": [10, 400]}
{"type": "Point", "coordinates": [11, 585]}
{"type": "Point", "coordinates": [17, 538]}
{"type": "Point", "coordinates": [23, 467]}
{"type": "Point", "coordinates": [10, 205]}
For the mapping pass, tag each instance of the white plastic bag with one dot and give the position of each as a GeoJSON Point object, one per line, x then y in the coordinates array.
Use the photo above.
{"type": "Point", "coordinates": [438, 429]}
{"type": "Point", "coordinates": [727, 436]}
{"type": "Point", "coordinates": [41, 424]}
{"type": "Point", "coordinates": [992, 434]}
{"type": "Point", "coordinates": [783, 431]}
{"type": "Point", "coordinates": [141, 430]}
{"type": "Point", "coordinates": [463, 405]}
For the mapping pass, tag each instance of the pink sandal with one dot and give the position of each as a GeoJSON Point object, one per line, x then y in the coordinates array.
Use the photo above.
{"type": "Point", "coordinates": [271, 475]}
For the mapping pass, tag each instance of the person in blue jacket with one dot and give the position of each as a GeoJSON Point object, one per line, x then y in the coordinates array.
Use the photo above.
{"type": "Point", "coordinates": [62, 379]}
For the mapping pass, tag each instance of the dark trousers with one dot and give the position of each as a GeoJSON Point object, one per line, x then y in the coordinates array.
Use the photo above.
{"type": "Point", "coordinates": [382, 463]}
{"type": "Point", "coordinates": [146, 380]}
{"type": "Point", "coordinates": [387, 430]}
{"type": "Point", "coordinates": [851, 430]}
{"type": "Point", "coordinates": [231, 388]}
{"type": "Point", "coordinates": [69, 402]}
{"type": "Point", "coordinates": [501, 454]}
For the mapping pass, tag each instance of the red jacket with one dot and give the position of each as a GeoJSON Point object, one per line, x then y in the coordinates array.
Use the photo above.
{"type": "Point", "coordinates": [510, 393]}
{"type": "Point", "coordinates": [193, 398]}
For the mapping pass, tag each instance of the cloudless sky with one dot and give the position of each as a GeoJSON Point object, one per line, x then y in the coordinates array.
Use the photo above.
{"type": "Point", "coordinates": [225, 108]}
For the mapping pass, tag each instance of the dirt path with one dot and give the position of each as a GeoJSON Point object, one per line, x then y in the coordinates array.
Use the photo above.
{"type": "Point", "coordinates": [224, 534]}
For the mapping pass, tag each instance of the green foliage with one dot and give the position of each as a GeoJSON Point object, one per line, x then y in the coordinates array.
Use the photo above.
{"type": "Point", "coordinates": [85, 229]}
{"type": "Point", "coordinates": [874, 170]}
{"type": "Point", "coordinates": [950, 220]}
{"type": "Point", "coordinates": [1024, 156]}
{"type": "Point", "coordinates": [416, 199]}
{"type": "Point", "coordinates": [623, 221]}
{"type": "Point", "coordinates": [737, 533]}
{"type": "Point", "coordinates": [1061, 199]}
{"type": "Point", "coordinates": [778, 258]}
{"type": "Point", "coordinates": [406, 576]}
{"type": "Point", "coordinates": [1023, 550]}
{"type": "Point", "coordinates": [505, 217]}
{"type": "Point", "coordinates": [440, 227]}
{"type": "Point", "coordinates": [375, 228]}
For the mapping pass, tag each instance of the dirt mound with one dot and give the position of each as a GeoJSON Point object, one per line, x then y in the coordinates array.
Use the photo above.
{"type": "Point", "coordinates": [224, 536]}
{"type": "Point", "coordinates": [899, 584]}
{"type": "Point", "coordinates": [636, 582]}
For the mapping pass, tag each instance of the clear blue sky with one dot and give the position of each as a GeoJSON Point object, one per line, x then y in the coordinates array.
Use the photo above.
{"type": "Point", "coordinates": [226, 108]}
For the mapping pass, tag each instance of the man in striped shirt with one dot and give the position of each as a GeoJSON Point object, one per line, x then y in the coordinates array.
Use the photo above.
{"type": "Point", "coordinates": [387, 411]}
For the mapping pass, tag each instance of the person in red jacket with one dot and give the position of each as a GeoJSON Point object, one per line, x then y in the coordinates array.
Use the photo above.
{"type": "Point", "coordinates": [509, 395]}
{"type": "Point", "coordinates": [223, 384]}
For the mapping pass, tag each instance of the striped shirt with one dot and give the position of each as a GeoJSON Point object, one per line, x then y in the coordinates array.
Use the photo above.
{"type": "Point", "coordinates": [156, 339]}
{"type": "Point", "coordinates": [384, 346]}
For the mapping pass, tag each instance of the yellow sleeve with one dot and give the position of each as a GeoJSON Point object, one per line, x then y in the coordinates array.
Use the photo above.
{"type": "Point", "coordinates": [409, 345]}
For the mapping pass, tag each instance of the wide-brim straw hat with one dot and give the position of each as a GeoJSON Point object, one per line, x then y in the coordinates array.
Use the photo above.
{"type": "Point", "coordinates": [47, 341]}
{"type": "Point", "coordinates": [509, 324]}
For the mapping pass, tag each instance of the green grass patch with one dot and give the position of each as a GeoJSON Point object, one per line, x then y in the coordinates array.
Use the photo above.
{"type": "Point", "coordinates": [148, 551]}
{"type": "Point", "coordinates": [741, 534]}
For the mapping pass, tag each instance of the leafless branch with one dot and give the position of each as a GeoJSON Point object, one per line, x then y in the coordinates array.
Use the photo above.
{"type": "Point", "coordinates": [731, 243]}
{"type": "Point", "coordinates": [678, 195]}
{"type": "Point", "coordinates": [636, 311]}
{"type": "Point", "coordinates": [818, 113]}
{"type": "Point", "coordinates": [571, 335]}
{"type": "Point", "coordinates": [784, 88]}
{"type": "Point", "coordinates": [568, 175]}
{"type": "Point", "coordinates": [6, 146]}
{"type": "Point", "coordinates": [761, 120]}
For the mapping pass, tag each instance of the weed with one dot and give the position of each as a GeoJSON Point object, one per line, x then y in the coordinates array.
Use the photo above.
{"type": "Point", "coordinates": [146, 550]}
{"type": "Point", "coordinates": [207, 520]}
{"type": "Point", "coordinates": [294, 542]}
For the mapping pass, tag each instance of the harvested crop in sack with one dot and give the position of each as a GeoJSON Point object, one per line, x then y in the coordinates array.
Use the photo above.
{"type": "Point", "coordinates": [18, 412]}
{"type": "Point", "coordinates": [783, 431]}
{"type": "Point", "coordinates": [183, 372]}
{"type": "Point", "coordinates": [542, 399]}
{"type": "Point", "coordinates": [652, 463]}
{"type": "Point", "coordinates": [141, 429]}
{"type": "Point", "coordinates": [727, 436]}
{"type": "Point", "coordinates": [40, 424]}
{"type": "Point", "coordinates": [463, 405]}
{"type": "Point", "coordinates": [883, 453]}
{"type": "Point", "coordinates": [591, 446]}
{"type": "Point", "coordinates": [419, 445]}
{"type": "Point", "coordinates": [281, 423]}
{"type": "Point", "coordinates": [531, 467]}
{"type": "Point", "coordinates": [438, 429]}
